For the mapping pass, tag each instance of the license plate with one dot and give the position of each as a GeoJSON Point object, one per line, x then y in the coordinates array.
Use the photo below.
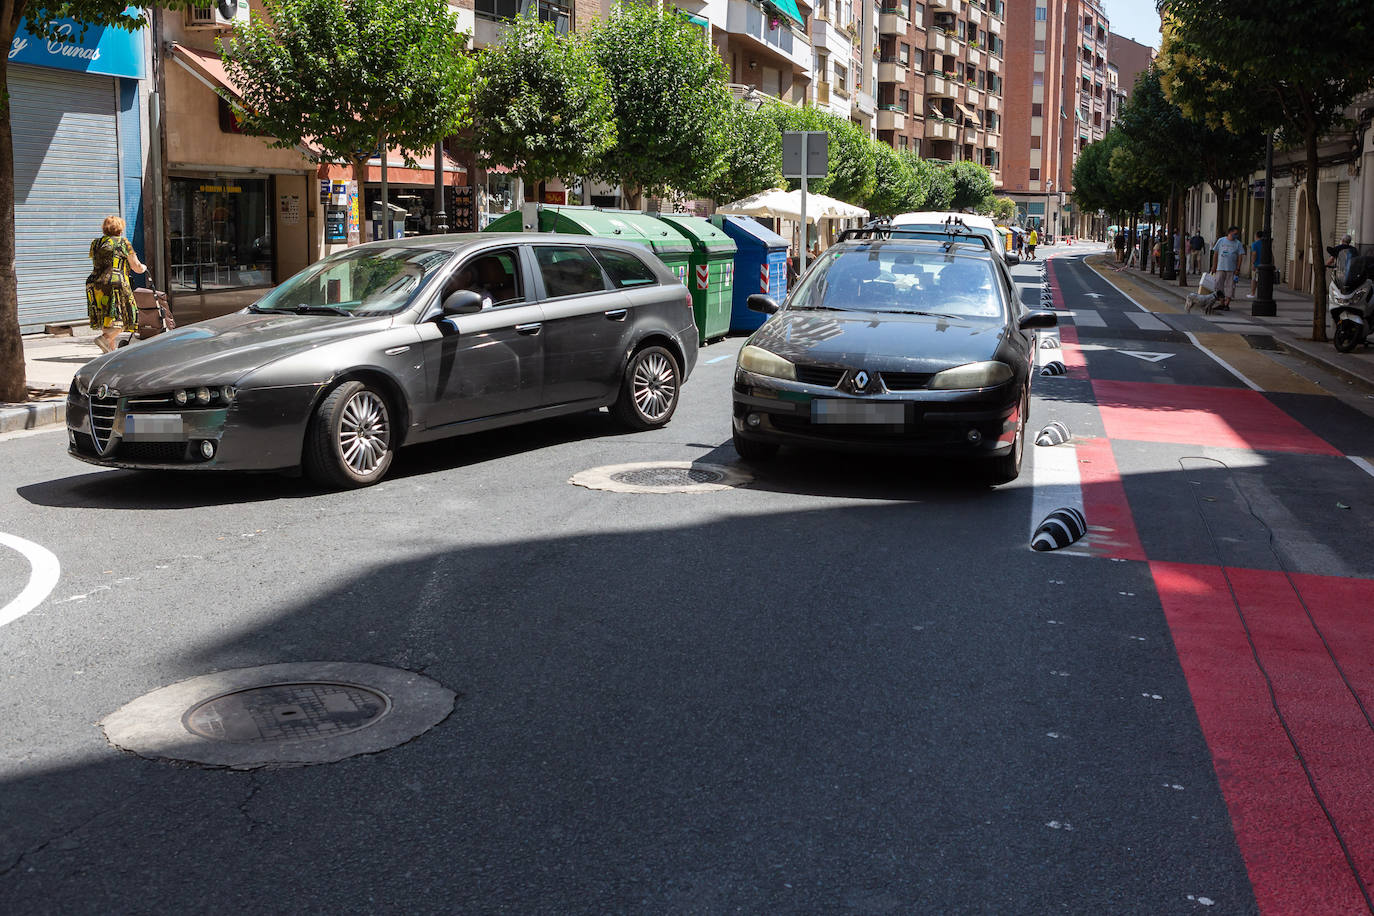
{"type": "Point", "coordinates": [883, 413]}
{"type": "Point", "coordinates": [153, 426]}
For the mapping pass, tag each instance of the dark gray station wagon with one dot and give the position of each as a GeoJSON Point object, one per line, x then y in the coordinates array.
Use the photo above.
{"type": "Point", "coordinates": [392, 343]}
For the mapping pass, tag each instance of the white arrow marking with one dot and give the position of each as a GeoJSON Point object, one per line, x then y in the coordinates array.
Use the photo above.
{"type": "Point", "coordinates": [46, 571]}
{"type": "Point", "coordinates": [1093, 295]}
{"type": "Point", "coordinates": [1148, 357]}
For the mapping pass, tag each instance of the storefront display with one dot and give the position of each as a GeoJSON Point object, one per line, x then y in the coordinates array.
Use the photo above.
{"type": "Point", "coordinates": [221, 233]}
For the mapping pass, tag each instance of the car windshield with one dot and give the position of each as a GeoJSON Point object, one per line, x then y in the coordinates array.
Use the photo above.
{"type": "Point", "coordinates": [363, 281]}
{"type": "Point", "coordinates": [885, 277]}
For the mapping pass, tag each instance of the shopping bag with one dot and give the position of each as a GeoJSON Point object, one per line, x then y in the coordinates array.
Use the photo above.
{"type": "Point", "coordinates": [1207, 283]}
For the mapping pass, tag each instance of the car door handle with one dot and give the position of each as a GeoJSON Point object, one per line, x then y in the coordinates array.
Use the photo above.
{"type": "Point", "coordinates": [617, 314]}
{"type": "Point", "coordinates": [529, 329]}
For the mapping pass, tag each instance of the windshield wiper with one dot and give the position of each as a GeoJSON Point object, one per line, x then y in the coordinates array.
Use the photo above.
{"type": "Point", "coordinates": [321, 310]}
{"type": "Point", "coordinates": [815, 308]}
{"type": "Point", "coordinates": [266, 311]}
{"type": "Point", "coordinates": [913, 312]}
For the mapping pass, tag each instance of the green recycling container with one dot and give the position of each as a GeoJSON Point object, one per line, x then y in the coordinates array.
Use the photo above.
{"type": "Point", "coordinates": [711, 273]}
{"type": "Point", "coordinates": [671, 248]}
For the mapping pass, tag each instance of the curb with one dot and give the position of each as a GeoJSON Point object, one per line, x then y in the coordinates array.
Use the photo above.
{"type": "Point", "coordinates": [1288, 345]}
{"type": "Point", "coordinates": [33, 415]}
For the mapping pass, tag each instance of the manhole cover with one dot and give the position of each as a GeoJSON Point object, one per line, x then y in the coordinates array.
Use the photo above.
{"type": "Point", "coordinates": [287, 712]}
{"type": "Point", "coordinates": [281, 715]}
{"type": "Point", "coordinates": [661, 477]}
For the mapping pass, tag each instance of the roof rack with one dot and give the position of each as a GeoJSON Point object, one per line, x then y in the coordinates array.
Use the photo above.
{"type": "Point", "coordinates": [954, 232]}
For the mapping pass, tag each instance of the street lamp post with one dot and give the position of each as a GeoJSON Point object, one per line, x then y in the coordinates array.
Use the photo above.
{"type": "Point", "coordinates": [1264, 304]}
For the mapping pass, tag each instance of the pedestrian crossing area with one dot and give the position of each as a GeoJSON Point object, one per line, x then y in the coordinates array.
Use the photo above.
{"type": "Point", "coordinates": [1119, 319]}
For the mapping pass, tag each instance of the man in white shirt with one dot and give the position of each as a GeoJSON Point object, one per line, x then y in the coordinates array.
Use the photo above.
{"type": "Point", "coordinates": [1226, 255]}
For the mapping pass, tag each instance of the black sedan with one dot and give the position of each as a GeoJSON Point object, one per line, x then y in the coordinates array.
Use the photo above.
{"type": "Point", "coordinates": [392, 343]}
{"type": "Point", "coordinates": [909, 345]}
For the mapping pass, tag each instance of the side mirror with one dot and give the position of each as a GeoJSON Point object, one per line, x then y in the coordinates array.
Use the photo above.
{"type": "Point", "coordinates": [1032, 320]}
{"type": "Point", "coordinates": [463, 302]}
{"type": "Point", "coordinates": [761, 303]}
{"type": "Point", "coordinates": [1012, 258]}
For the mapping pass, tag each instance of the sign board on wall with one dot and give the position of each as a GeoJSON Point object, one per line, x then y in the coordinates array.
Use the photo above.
{"type": "Point", "coordinates": [555, 197]}
{"type": "Point", "coordinates": [107, 51]}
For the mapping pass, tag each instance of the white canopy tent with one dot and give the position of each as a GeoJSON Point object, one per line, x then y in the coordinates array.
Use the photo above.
{"type": "Point", "coordinates": [776, 203]}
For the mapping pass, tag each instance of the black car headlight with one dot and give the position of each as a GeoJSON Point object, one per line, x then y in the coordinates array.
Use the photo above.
{"type": "Point", "coordinates": [972, 375]}
{"type": "Point", "coordinates": [202, 395]}
{"type": "Point", "coordinates": [81, 386]}
{"type": "Point", "coordinates": [765, 362]}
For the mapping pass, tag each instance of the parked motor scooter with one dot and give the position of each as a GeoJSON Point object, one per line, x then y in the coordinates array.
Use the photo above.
{"type": "Point", "coordinates": [1350, 299]}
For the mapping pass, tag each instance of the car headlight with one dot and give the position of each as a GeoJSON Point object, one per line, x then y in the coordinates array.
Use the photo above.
{"type": "Point", "coordinates": [82, 385]}
{"type": "Point", "coordinates": [973, 375]}
{"type": "Point", "coordinates": [765, 362]}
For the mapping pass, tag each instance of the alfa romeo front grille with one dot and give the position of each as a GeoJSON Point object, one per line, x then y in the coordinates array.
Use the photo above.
{"type": "Point", "coordinates": [103, 412]}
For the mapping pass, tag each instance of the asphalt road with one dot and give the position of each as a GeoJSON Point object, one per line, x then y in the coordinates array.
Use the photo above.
{"type": "Point", "coordinates": [847, 687]}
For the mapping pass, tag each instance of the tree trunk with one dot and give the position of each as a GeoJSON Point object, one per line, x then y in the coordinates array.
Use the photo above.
{"type": "Point", "coordinates": [1181, 255]}
{"type": "Point", "coordinates": [1314, 236]}
{"type": "Point", "coordinates": [12, 383]}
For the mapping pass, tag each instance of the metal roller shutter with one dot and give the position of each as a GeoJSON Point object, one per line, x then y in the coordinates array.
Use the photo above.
{"type": "Point", "coordinates": [1341, 225]}
{"type": "Point", "coordinates": [66, 181]}
{"type": "Point", "coordinates": [1292, 247]}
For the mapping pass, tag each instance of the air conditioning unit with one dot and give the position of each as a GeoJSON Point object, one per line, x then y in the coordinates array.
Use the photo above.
{"type": "Point", "coordinates": [221, 15]}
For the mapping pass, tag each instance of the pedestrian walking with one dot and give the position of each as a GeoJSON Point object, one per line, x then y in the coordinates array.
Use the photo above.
{"type": "Point", "coordinates": [1255, 247]}
{"type": "Point", "coordinates": [1120, 244]}
{"type": "Point", "coordinates": [1032, 240]}
{"type": "Point", "coordinates": [1227, 253]}
{"type": "Point", "coordinates": [1196, 244]}
{"type": "Point", "coordinates": [109, 298]}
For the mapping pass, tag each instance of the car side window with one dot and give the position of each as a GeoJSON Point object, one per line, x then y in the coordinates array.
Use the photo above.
{"type": "Point", "coordinates": [494, 275]}
{"type": "Point", "coordinates": [568, 271]}
{"type": "Point", "coordinates": [625, 269]}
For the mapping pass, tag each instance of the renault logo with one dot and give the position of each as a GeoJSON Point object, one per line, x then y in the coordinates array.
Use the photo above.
{"type": "Point", "coordinates": [860, 380]}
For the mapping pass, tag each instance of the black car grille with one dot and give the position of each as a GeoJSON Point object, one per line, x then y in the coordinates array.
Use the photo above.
{"type": "Point", "coordinates": [159, 452]}
{"type": "Point", "coordinates": [103, 412]}
{"type": "Point", "coordinates": [906, 381]}
{"type": "Point", "coordinates": [826, 376]}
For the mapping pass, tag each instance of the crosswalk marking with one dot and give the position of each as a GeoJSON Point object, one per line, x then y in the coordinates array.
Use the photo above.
{"type": "Point", "coordinates": [1147, 322]}
{"type": "Point", "coordinates": [1088, 318]}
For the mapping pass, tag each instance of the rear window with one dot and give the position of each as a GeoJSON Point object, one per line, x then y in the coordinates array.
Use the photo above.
{"type": "Point", "coordinates": [625, 269]}
{"type": "Point", "coordinates": [568, 271]}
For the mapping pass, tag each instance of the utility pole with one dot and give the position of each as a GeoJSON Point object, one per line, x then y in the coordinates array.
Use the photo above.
{"type": "Point", "coordinates": [1264, 305]}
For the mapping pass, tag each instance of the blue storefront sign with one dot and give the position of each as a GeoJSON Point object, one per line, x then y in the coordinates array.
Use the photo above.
{"type": "Point", "coordinates": [107, 51]}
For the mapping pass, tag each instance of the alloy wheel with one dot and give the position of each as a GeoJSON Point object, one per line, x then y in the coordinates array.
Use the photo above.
{"type": "Point", "coordinates": [364, 432]}
{"type": "Point", "coordinates": [654, 386]}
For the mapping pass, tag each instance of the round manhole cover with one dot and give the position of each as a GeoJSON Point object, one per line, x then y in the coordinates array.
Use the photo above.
{"type": "Point", "coordinates": [287, 712]}
{"type": "Point", "coordinates": [661, 477]}
{"type": "Point", "coordinates": [281, 715]}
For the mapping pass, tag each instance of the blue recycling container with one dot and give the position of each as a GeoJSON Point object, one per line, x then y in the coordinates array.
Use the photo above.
{"type": "Point", "coordinates": [760, 267]}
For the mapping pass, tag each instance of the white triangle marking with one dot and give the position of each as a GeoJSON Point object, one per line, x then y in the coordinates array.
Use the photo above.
{"type": "Point", "coordinates": [1148, 357]}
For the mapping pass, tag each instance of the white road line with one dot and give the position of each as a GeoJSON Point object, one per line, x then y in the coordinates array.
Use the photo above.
{"type": "Point", "coordinates": [1147, 322]}
{"type": "Point", "coordinates": [46, 571]}
{"type": "Point", "coordinates": [1088, 318]}
{"type": "Point", "coordinates": [1197, 343]}
{"type": "Point", "coordinates": [1362, 464]}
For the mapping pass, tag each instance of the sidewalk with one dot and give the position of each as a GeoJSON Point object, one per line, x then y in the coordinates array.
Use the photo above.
{"type": "Point", "coordinates": [1291, 328]}
{"type": "Point", "coordinates": [50, 362]}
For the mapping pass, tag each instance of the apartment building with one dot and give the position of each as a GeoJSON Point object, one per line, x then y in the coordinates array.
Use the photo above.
{"type": "Point", "coordinates": [1062, 46]}
{"type": "Point", "coordinates": [1131, 58]}
{"type": "Point", "coordinates": [940, 79]}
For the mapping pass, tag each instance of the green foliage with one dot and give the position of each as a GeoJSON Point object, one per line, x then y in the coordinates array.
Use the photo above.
{"type": "Point", "coordinates": [1002, 209]}
{"type": "Point", "coordinates": [922, 179]}
{"type": "Point", "coordinates": [940, 180]}
{"type": "Point", "coordinates": [752, 159]}
{"type": "Point", "coordinates": [667, 87]}
{"type": "Point", "coordinates": [894, 184]}
{"type": "Point", "coordinates": [853, 156]}
{"type": "Point", "coordinates": [973, 185]}
{"type": "Point", "coordinates": [540, 104]}
{"type": "Point", "coordinates": [348, 76]}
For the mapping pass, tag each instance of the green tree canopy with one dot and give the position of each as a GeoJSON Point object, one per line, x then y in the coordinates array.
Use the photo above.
{"type": "Point", "coordinates": [540, 104]}
{"type": "Point", "coordinates": [973, 185]}
{"type": "Point", "coordinates": [667, 87]}
{"type": "Point", "coordinates": [347, 77]}
{"type": "Point", "coordinates": [1002, 209]}
{"type": "Point", "coordinates": [940, 180]}
{"type": "Point", "coordinates": [923, 181]}
{"type": "Point", "coordinates": [751, 160]}
{"type": "Point", "coordinates": [894, 183]}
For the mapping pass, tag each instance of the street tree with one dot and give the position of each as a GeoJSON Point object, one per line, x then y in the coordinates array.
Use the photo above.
{"type": "Point", "coordinates": [667, 88]}
{"type": "Point", "coordinates": [751, 161]}
{"type": "Point", "coordinates": [541, 106]}
{"type": "Point", "coordinates": [1002, 209]}
{"type": "Point", "coordinates": [43, 21]}
{"type": "Point", "coordinates": [344, 79]}
{"type": "Point", "coordinates": [939, 181]}
{"type": "Point", "coordinates": [1276, 66]}
{"type": "Point", "coordinates": [894, 184]}
{"type": "Point", "coordinates": [853, 155]}
{"type": "Point", "coordinates": [973, 185]}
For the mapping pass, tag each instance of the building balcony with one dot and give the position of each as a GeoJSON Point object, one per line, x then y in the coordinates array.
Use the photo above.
{"type": "Point", "coordinates": [748, 21]}
{"type": "Point", "coordinates": [951, 6]}
{"type": "Point", "coordinates": [994, 64]}
{"type": "Point", "coordinates": [996, 177]}
{"type": "Point", "coordinates": [992, 102]}
{"type": "Point", "coordinates": [974, 96]}
{"type": "Point", "coordinates": [994, 25]}
{"type": "Point", "coordinates": [891, 71]}
{"type": "Point", "coordinates": [939, 87]}
{"type": "Point", "coordinates": [975, 15]}
{"type": "Point", "coordinates": [942, 43]}
{"type": "Point", "coordinates": [975, 56]}
{"type": "Point", "coordinates": [827, 35]}
{"type": "Point", "coordinates": [891, 120]}
{"type": "Point", "coordinates": [891, 23]}
{"type": "Point", "coordinates": [864, 104]}
{"type": "Point", "coordinates": [969, 135]}
{"type": "Point", "coordinates": [941, 130]}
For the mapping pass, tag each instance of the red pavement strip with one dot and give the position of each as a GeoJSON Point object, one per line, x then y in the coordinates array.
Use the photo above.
{"type": "Point", "coordinates": [1111, 527]}
{"type": "Point", "coordinates": [1294, 856]}
{"type": "Point", "coordinates": [1198, 415]}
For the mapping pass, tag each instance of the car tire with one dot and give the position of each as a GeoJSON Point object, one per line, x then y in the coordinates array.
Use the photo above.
{"type": "Point", "coordinates": [351, 438]}
{"type": "Point", "coordinates": [649, 389]}
{"type": "Point", "coordinates": [1006, 468]}
{"type": "Point", "coordinates": [753, 451]}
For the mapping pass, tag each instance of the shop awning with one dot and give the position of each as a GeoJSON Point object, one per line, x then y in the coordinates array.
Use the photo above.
{"type": "Point", "coordinates": [207, 67]}
{"type": "Point", "coordinates": [789, 9]}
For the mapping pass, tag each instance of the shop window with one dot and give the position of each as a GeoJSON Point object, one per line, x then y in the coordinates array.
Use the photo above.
{"type": "Point", "coordinates": [221, 234]}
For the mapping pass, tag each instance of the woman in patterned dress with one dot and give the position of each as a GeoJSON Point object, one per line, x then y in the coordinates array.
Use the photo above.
{"type": "Point", "coordinates": [109, 299]}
